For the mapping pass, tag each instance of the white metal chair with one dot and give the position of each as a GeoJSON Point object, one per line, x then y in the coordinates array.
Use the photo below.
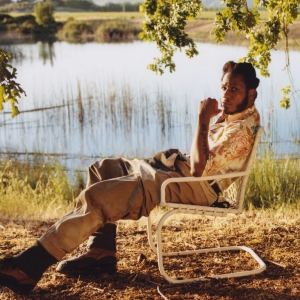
{"type": "Point", "coordinates": [235, 192]}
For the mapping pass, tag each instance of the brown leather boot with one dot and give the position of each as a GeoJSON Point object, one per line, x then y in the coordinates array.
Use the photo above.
{"type": "Point", "coordinates": [14, 278]}
{"type": "Point", "coordinates": [94, 258]}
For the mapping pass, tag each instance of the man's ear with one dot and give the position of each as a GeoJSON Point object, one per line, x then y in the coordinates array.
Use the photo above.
{"type": "Point", "coordinates": [252, 94]}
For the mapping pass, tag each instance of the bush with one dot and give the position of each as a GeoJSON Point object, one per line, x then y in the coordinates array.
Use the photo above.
{"type": "Point", "coordinates": [24, 18]}
{"type": "Point", "coordinates": [12, 26]}
{"type": "Point", "coordinates": [115, 31]}
{"type": "Point", "coordinates": [5, 17]}
{"type": "Point", "coordinates": [28, 27]}
{"type": "Point", "coordinates": [26, 23]}
{"type": "Point", "coordinates": [75, 30]}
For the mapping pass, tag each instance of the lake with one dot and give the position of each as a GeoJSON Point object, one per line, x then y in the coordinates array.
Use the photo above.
{"type": "Point", "coordinates": [86, 101]}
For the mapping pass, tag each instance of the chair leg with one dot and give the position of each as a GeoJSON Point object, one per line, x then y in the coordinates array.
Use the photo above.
{"type": "Point", "coordinates": [150, 235]}
{"type": "Point", "coordinates": [161, 254]}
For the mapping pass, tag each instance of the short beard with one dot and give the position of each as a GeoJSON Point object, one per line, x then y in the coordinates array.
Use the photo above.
{"type": "Point", "coordinates": [240, 107]}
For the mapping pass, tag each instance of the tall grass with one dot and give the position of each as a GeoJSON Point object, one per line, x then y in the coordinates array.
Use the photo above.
{"type": "Point", "coordinates": [36, 189]}
{"type": "Point", "coordinates": [273, 183]}
{"type": "Point", "coordinates": [42, 189]}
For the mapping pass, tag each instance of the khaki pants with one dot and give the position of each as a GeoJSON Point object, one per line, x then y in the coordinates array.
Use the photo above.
{"type": "Point", "coordinates": [120, 189]}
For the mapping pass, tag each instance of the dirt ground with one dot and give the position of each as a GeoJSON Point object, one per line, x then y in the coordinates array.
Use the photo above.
{"type": "Point", "coordinates": [275, 238]}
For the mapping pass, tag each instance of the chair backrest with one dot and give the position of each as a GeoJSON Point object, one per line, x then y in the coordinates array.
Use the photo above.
{"type": "Point", "coordinates": [236, 191]}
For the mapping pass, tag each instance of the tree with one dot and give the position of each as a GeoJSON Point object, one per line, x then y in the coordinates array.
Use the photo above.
{"type": "Point", "coordinates": [44, 13]}
{"type": "Point", "coordinates": [165, 22]}
{"type": "Point", "coordinates": [10, 90]}
{"type": "Point", "coordinates": [166, 19]}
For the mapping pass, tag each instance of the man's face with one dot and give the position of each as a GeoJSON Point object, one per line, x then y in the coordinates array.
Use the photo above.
{"type": "Point", "coordinates": [234, 95]}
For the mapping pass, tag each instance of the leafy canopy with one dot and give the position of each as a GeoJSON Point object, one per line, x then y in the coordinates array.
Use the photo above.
{"type": "Point", "coordinates": [10, 90]}
{"type": "Point", "coordinates": [166, 19]}
{"type": "Point", "coordinates": [164, 24]}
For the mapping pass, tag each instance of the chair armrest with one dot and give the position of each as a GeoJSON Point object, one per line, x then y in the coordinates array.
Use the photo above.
{"type": "Point", "coordinates": [203, 178]}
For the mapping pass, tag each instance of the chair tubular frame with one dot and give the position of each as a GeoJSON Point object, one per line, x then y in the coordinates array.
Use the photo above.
{"type": "Point", "coordinates": [203, 210]}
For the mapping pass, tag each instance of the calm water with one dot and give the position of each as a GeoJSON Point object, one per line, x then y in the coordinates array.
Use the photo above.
{"type": "Point", "coordinates": [86, 101]}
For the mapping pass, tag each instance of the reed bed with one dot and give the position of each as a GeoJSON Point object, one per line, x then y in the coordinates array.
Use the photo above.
{"type": "Point", "coordinates": [119, 120]}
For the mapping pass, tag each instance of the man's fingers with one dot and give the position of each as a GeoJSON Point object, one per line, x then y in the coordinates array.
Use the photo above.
{"type": "Point", "coordinates": [210, 107]}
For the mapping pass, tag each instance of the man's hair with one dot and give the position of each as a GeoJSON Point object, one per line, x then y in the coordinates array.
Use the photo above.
{"type": "Point", "coordinates": [246, 70]}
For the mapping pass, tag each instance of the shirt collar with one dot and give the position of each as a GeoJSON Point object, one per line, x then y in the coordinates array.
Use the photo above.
{"type": "Point", "coordinates": [239, 116]}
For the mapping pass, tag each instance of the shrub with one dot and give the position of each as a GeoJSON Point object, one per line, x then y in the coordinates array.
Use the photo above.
{"type": "Point", "coordinates": [12, 26]}
{"type": "Point", "coordinates": [115, 31]}
{"type": "Point", "coordinates": [24, 18]}
{"type": "Point", "coordinates": [5, 17]}
{"type": "Point", "coordinates": [25, 23]}
{"type": "Point", "coordinates": [28, 27]}
{"type": "Point", "coordinates": [74, 30]}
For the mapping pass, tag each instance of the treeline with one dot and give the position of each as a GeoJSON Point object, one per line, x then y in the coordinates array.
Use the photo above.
{"type": "Point", "coordinates": [126, 6]}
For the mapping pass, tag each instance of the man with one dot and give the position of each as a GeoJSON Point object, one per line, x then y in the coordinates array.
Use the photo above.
{"type": "Point", "coordinates": [128, 189]}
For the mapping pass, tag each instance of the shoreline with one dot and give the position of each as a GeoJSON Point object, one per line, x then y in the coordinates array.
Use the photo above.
{"type": "Point", "coordinates": [200, 30]}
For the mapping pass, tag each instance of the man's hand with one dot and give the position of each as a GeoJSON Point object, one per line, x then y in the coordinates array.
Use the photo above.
{"type": "Point", "coordinates": [207, 109]}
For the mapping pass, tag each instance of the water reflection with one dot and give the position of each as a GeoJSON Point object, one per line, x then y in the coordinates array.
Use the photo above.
{"type": "Point", "coordinates": [93, 100]}
{"type": "Point", "coordinates": [46, 52]}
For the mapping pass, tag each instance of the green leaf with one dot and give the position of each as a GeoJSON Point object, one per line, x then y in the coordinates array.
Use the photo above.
{"type": "Point", "coordinates": [15, 111]}
{"type": "Point", "coordinates": [9, 88]}
{"type": "Point", "coordinates": [165, 25]}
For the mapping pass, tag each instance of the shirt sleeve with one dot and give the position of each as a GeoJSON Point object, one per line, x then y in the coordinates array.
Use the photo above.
{"type": "Point", "coordinates": [228, 147]}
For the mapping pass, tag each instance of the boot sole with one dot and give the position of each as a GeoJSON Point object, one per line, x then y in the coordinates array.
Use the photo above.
{"type": "Point", "coordinates": [107, 264]}
{"type": "Point", "coordinates": [13, 284]}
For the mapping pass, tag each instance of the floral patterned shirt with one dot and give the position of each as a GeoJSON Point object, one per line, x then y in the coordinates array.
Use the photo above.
{"type": "Point", "coordinates": [231, 139]}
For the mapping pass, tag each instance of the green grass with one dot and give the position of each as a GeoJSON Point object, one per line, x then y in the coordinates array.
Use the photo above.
{"type": "Point", "coordinates": [37, 189]}
{"type": "Point", "coordinates": [273, 183]}
{"type": "Point", "coordinates": [89, 16]}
